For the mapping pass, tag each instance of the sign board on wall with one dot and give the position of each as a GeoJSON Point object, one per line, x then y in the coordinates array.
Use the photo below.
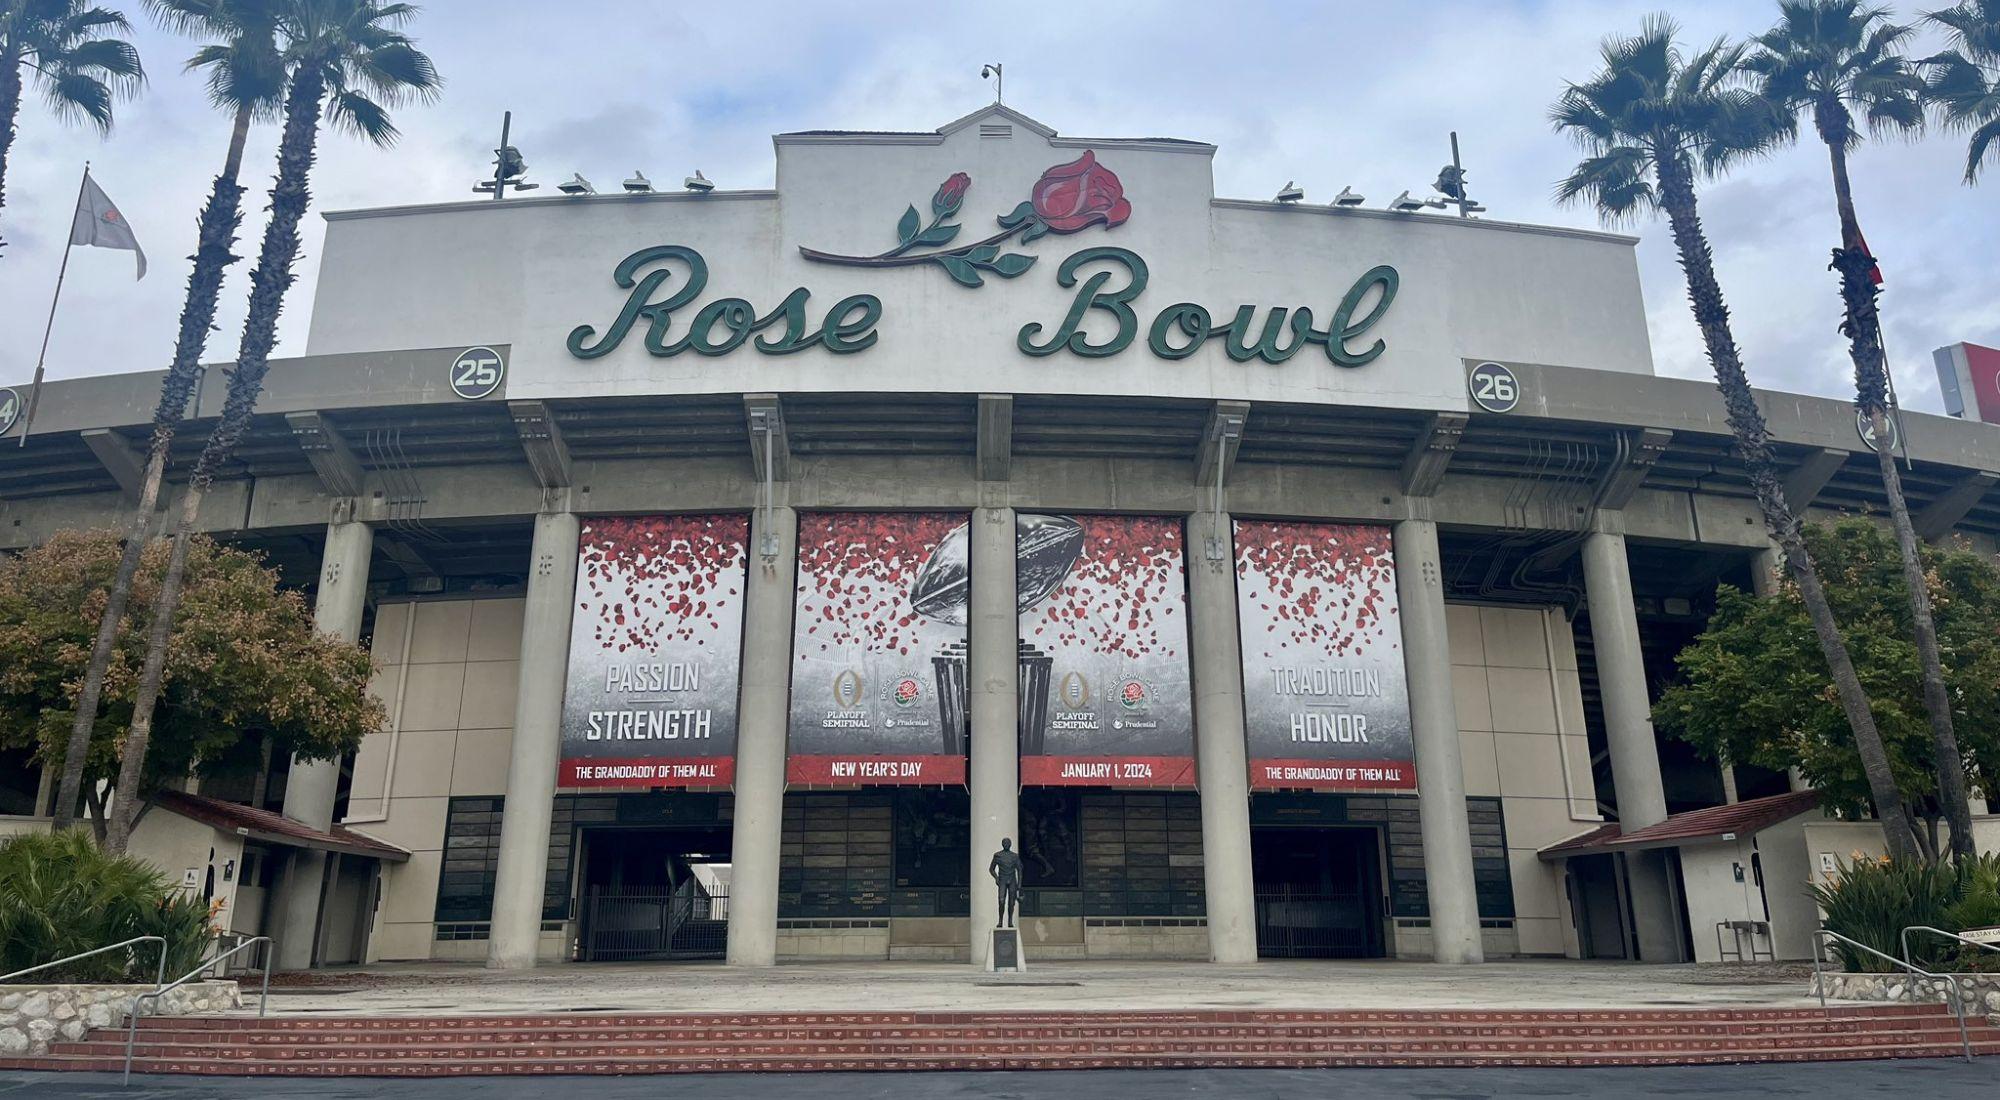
{"type": "Point", "coordinates": [655, 652]}
{"type": "Point", "coordinates": [1326, 704]}
{"type": "Point", "coordinates": [879, 649]}
{"type": "Point", "coordinates": [1104, 652]}
{"type": "Point", "coordinates": [1969, 378]}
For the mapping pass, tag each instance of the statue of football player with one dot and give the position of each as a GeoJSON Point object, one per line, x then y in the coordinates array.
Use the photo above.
{"type": "Point", "coordinates": [1006, 871]}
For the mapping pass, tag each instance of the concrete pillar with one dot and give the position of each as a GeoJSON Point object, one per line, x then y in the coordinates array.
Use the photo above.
{"type": "Point", "coordinates": [311, 786]}
{"type": "Point", "coordinates": [531, 770]}
{"type": "Point", "coordinates": [762, 720]}
{"type": "Point", "coordinates": [1767, 568]}
{"type": "Point", "coordinates": [1628, 724]}
{"type": "Point", "coordinates": [1454, 900]}
{"type": "Point", "coordinates": [993, 679]}
{"type": "Point", "coordinates": [1223, 768]}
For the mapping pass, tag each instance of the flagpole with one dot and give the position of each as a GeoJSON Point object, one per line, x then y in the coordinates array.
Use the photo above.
{"type": "Point", "coordinates": [35, 388]}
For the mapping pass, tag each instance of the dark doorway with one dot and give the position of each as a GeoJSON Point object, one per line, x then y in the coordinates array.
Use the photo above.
{"type": "Point", "coordinates": [1597, 904]}
{"type": "Point", "coordinates": [654, 894]}
{"type": "Point", "coordinates": [1319, 892]}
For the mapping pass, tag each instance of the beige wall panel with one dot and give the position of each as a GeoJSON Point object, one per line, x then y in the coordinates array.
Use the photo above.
{"type": "Point", "coordinates": [495, 633]}
{"type": "Point", "coordinates": [443, 627]}
{"type": "Point", "coordinates": [1513, 637]}
{"type": "Point", "coordinates": [431, 701]}
{"type": "Point", "coordinates": [1461, 623]}
{"type": "Point", "coordinates": [1482, 770]}
{"type": "Point", "coordinates": [1530, 765]}
{"type": "Point", "coordinates": [490, 690]}
{"type": "Point", "coordinates": [1523, 700]}
{"type": "Point", "coordinates": [1469, 697]}
{"type": "Point", "coordinates": [479, 763]}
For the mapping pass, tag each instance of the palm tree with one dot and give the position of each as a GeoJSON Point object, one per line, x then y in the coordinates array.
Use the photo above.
{"type": "Point", "coordinates": [1964, 80]}
{"type": "Point", "coordinates": [80, 70]}
{"type": "Point", "coordinates": [243, 78]}
{"type": "Point", "coordinates": [346, 60]}
{"type": "Point", "coordinates": [1829, 60]}
{"type": "Point", "coordinates": [1650, 123]}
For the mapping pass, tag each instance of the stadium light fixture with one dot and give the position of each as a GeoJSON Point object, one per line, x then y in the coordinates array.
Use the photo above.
{"type": "Point", "coordinates": [639, 184]}
{"type": "Point", "coordinates": [576, 185]}
{"type": "Point", "coordinates": [1290, 192]}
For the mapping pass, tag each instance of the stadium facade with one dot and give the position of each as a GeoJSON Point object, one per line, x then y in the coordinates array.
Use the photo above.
{"type": "Point", "coordinates": [742, 566]}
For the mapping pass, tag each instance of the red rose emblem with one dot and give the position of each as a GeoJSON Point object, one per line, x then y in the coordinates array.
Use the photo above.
{"type": "Point", "coordinates": [950, 194]}
{"type": "Point", "coordinates": [1079, 194]}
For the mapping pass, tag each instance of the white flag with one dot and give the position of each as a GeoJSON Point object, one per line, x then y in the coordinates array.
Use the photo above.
{"type": "Point", "coordinates": [99, 223]}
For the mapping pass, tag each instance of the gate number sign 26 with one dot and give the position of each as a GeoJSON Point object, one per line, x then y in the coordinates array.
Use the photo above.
{"type": "Point", "coordinates": [1494, 388]}
{"type": "Point", "coordinates": [477, 373]}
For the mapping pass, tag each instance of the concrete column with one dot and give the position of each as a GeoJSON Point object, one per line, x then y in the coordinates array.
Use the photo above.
{"type": "Point", "coordinates": [1628, 724]}
{"type": "Point", "coordinates": [762, 720]}
{"type": "Point", "coordinates": [1223, 768]}
{"type": "Point", "coordinates": [1454, 900]}
{"type": "Point", "coordinates": [1767, 567]}
{"type": "Point", "coordinates": [531, 770]}
{"type": "Point", "coordinates": [311, 785]}
{"type": "Point", "coordinates": [993, 678]}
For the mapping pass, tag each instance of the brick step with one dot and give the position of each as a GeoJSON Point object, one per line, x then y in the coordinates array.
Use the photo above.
{"type": "Point", "coordinates": [978, 1048]}
{"type": "Point", "coordinates": [992, 1061]}
{"type": "Point", "coordinates": [788, 1019]}
{"type": "Point", "coordinates": [1860, 1029]}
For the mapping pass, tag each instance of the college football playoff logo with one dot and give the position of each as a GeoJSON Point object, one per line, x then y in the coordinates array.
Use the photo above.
{"type": "Point", "coordinates": [847, 689]}
{"type": "Point", "coordinates": [1074, 691]}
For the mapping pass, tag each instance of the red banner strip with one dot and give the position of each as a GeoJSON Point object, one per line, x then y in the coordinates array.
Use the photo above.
{"type": "Point", "coordinates": [1333, 775]}
{"type": "Point", "coordinates": [876, 771]}
{"type": "Point", "coordinates": [647, 772]}
{"type": "Point", "coordinates": [1107, 771]}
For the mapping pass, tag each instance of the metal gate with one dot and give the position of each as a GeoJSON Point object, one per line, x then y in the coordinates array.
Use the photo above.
{"type": "Point", "coordinates": [1299, 925]}
{"type": "Point", "coordinates": [688, 921]}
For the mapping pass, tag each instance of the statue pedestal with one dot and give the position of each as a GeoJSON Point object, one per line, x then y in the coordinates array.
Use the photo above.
{"type": "Point", "coordinates": [1004, 953]}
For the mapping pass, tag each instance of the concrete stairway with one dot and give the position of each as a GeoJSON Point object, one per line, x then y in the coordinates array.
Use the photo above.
{"type": "Point", "coordinates": [802, 1042]}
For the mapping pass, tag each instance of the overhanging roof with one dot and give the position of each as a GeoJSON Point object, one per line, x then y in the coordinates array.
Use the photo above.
{"type": "Point", "coordinates": [269, 828]}
{"type": "Point", "coordinates": [1694, 826]}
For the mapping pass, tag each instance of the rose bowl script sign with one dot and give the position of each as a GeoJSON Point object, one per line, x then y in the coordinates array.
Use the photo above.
{"type": "Point", "coordinates": [1103, 655]}
{"type": "Point", "coordinates": [654, 653]}
{"type": "Point", "coordinates": [878, 645]}
{"type": "Point", "coordinates": [1325, 701]}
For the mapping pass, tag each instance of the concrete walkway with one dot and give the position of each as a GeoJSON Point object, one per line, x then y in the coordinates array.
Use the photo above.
{"type": "Point", "coordinates": [416, 989]}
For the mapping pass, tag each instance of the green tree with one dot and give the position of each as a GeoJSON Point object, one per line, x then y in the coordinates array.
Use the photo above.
{"type": "Point", "coordinates": [1754, 690]}
{"type": "Point", "coordinates": [346, 60]}
{"type": "Point", "coordinates": [80, 69]}
{"type": "Point", "coordinates": [1964, 81]}
{"type": "Point", "coordinates": [1831, 60]}
{"type": "Point", "coordinates": [244, 79]}
{"type": "Point", "coordinates": [243, 661]}
{"type": "Point", "coordinates": [1651, 122]}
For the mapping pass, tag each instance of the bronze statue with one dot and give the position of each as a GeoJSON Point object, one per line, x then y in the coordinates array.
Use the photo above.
{"type": "Point", "coordinates": [1006, 871]}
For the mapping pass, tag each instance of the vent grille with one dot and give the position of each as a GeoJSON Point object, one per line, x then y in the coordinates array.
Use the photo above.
{"type": "Point", "coordinates": [996, 129]}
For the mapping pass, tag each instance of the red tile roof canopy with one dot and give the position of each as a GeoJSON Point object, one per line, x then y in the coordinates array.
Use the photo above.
{"type": "Point", "coordinates": [270, 828]}
{"type": "Point", "coordinates": [1706, 824]}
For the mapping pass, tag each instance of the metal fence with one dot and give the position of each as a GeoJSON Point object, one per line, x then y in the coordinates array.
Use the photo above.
{"type": "Point", "coordinates": [689, 921]}
{"type": "Point", "coordinates": [1298, 925]}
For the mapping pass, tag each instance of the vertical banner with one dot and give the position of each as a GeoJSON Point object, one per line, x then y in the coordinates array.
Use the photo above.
{"type": "Point", "coordinates": [878, 668]}
{"type": "Point", "coordinates": [1325, 701]}
{"type": "Point", "coordinates": [655, 652]}
{"type": "Point", "coordinates": [1104, 652]}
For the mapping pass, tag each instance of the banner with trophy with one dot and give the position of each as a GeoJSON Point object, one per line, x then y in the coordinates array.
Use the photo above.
{"type": "Point", "coordinates": [879, 649]}
{"type": "Point", "coordinates": [655, 652]}
{"type": "Point", "coordinates": [1104, 693]}
{"type": "Point", "coordinates": [1326, 704]}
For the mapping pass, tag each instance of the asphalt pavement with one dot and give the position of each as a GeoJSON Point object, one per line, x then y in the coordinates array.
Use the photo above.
{"type": "Point", "coordinates": [1932, 1080]}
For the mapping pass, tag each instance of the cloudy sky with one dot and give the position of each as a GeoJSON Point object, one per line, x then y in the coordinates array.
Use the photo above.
{"type": "Point", "coordinates": [1325, 94]}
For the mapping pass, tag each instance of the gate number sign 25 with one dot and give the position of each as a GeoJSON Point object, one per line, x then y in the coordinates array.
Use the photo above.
{"type": "Point", "coordinates": [477, 372]}
{"type": "Point", "coordinates": [1494, 388]}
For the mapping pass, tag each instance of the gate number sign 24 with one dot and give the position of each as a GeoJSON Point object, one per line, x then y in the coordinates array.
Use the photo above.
{"type": "Point", "coordinates": [1494, 388]}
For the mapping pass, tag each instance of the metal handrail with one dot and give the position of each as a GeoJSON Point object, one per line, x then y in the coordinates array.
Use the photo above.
{"type": "Point", "coordinates": [263, 999]}
{"type": "Point", "coordinates": [1819, 980]}
{"type": "Point", "coordinates": [159, 975]}
{"type": "Point", "coordinates": [1905, 939]}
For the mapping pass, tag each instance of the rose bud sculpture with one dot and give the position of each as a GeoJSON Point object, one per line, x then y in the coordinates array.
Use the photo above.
{"type": "Point", "coordinates": [1068, 198]}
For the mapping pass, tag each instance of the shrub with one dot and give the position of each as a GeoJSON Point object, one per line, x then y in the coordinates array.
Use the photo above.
{"type": "Point", "coordinates": [1874, 900]}
{"type": "Point", "coordinates": [60, 894]}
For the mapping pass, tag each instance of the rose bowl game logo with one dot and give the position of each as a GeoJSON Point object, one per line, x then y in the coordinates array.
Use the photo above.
{"type": "Point", "coordinates": [905, 691]}
{"type": "Point", "coordinates": [1134, 695]}
{"type": "Point", "coordinates": [1067, 199]}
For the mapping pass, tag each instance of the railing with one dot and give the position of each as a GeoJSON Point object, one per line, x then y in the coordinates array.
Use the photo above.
{"type": "Point", "coordinates": [1312, 924]}
{"type": "Point", "coordinates": [687, 922]}
{"type": "Point", "coordinates": [1819, 980]}
{"type": "Point", "coordinates": [263, 998]}
{"type": "Point", "coordinates": [1905, 939]}
{"type": "Point", "coordinates": [159, 975]}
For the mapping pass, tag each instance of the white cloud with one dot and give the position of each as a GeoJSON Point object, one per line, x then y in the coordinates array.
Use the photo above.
{"type": "Point", "coordinates": [1329, 95]}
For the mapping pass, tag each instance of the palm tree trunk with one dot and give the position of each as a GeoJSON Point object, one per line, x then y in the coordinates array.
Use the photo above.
{"type": "Point", "coordinates": [217, 232]}
{"type": "Point", "coordinates": [10, 105]}
{"type": "Point", "coordinates": [1871, 383]}
{"type": "Point", "coordinates": [1753, 445]}
{"type": "Point", "coordinates": [268, 283]}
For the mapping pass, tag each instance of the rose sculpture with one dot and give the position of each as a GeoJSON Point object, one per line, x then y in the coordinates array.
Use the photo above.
{"type": "Point", "coordinates": [1068, 198]}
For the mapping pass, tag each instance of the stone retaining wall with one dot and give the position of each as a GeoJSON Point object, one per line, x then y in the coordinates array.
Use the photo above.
{"type": "Point", "coordinates": [1981, 992]}
{"type": "Point", "coordinates": [33, 1016]}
